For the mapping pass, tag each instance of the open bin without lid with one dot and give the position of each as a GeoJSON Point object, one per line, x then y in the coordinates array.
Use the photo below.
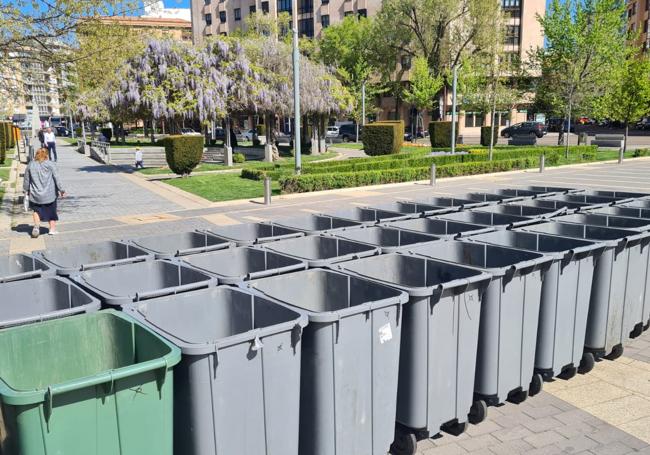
{"type": "Point", "coordinates": [556, 204]}
{"type": "Point", "coordinates": [168, 246]}
{"type": "Point", "coordinates": [67, 260]}
{"type": "Point", "coordinates": [415, 209]}
{"type": "Point", "coordinates": [566, 290]}
{"type": "Point", "coordinates": [439, 339]}
{"type": "Point", "coordinates": [234, 265]}
{"type": "Point", "coordinates": [351, 355]}
{"type": "Point", "coordinates": [388, 239]}
{"type": "Point", "coordinates": [497, 220]}
{"type": "Point", "coordinates": [588, 199]}
{"type": "Point", "coordinates": [507, 194]}
{"type": "Point", "coordinates": [254, 233]}
{"type": "Point", "coordinates": [623, 210]}
{"type": "Point", "coordinates": [99, 376]}
{"type": "Point", "coordinates": [638, 203]}
{"type": "Point", "coordinates": [526, 211]}
{"type": "Point", "coordinates": [620, 195]}
{"type": "Point", "coordinates": [615, 288]}
{"type": "Point", "coordinates": [118, 286]}
{"type": "Point", "coordinates": [237, 388]}
{"type": "Point", "coordinates": [316, 224]}
{"type": "Point", "coordinates": [21, 267]}
{"type": "Point", "coordinates": [612, 221]}
{"type": "Point", "coordinates": [441, 228]}
{"type": "Point", "coordinates": [322, 250]}
{"type": "Point", "coordinates": [366, 215]}
{"type": "Point", "coordinates": [24, 302]}
{"type": "Point", "coordinates": [539, 191]}
{"type": "Point", "coordinates": [455, 203]}
{"type": "Point", "coordinates": [492, 197]}
{"type": "Point", "coordinates": [509, 315]}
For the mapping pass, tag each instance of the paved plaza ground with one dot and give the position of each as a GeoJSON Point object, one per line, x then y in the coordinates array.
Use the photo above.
{"type": "Point", "coordinates": [605, 412]}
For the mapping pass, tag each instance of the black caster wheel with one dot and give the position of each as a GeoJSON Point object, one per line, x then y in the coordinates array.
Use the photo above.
{"type": "Point", "coordinates": [456, 428]}
{"type": "Point", "coordinates": [536, 385]}
{"type": "Point", "coordinates": [638, 330]}
{"type": "Point", "coordinates": [568, 373]}
{"type": "Point", "coordinates": [617, 351]}
{"type": "Point", "coordinates": [587, 363]}
{"type": "Point", "coordinates": [478, 412]}
{"type": "Point", "coordinates": [405, 442]}
{"type": "Point", "coordinates": [518, 397]}
{"type": "Point", "coordinates": [647, 326]}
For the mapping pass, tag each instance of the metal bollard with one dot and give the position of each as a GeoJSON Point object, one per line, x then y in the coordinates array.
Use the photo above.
{"type": "Point", "coordinates": [267, 190]}
{"type": "Point", "coordinates": [542, 163]}
{"type": "Point", "coordinates": [433, 175]}
{"type": "Point", "coordinates": [620, 155]}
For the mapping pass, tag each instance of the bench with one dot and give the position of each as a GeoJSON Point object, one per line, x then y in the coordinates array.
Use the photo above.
{"type": "Point", "coordinates": [522, 140]}
{"type": "Point", "coordinates": [608, 140]}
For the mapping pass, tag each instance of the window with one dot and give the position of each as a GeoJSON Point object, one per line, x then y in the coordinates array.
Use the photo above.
{"type": "Point", "coordinates": [265, 7]}
{"type": "Point", "coordinates": [325, 20]}
{"type": "Point", "coordinates": [237, 14]}
{"type": "Point", "coordinates": [252, 9]}
{"type": "Point", "coordinates": [284, 5]}
{"type": "Point", "coordinates": [207, 2]}
{"type": "Point", "coordinates": [348, 13]}
{"type": "Point", "coordinates": [325, 2]}
{"type": "Point", "coordinates": [306, 6]}
{"type": "Point", "coordinates": [645, 26]}
{"type": "Point", "coordinates": [362, 13]}
{"type": "Point", "coordinates": [512, 34]}
{"type": "Point", "coordinates": [306, 27]}
{"type": "Point", "coordinates": [222, 17]}
{"type": "Point", "coordinates": [208, 19]}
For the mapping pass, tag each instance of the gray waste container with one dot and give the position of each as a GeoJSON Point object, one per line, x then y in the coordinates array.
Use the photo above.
{"type": "Point", "coordinates": [496, 220]}
{"type": "Point", "coordinates": [367, 216]}
{"type": "Point", "coordinates": [387, 239]}
{"type": "Point", "coordinates": [552, 204]}
{"type": "Point", "coordinates": [622, 196]}
{"type": "Point", "coordinates": [441, 228]}
{"type": "Point", "coordinates": [181, 244]}
{"type": "Point", "coordinates": [453, 202]}
{"type": "Point", "coordinates": [315, 224]}
{"type": "Point", "coordinates": [117, 286]}
{"type": "Point", "coordinates": [612, 286]}
{"type": "Point", "coordinates": [587, 199]}
{"type": "Point", "coordinates": [638, 203]}
{"type": "Point", "coordinates": [623, 210]}
{"type": "Point", "coordinates": [350, 359]}
{"type": "Point", "coordinates": [613, 221]}
{"type": "Point", "coordinates": [254, 233]}
{"type": "Point", "coordinates": [28, 301]}
{"type": "Point", "coordinates": [67, 260]}
{"type": "Point", "coordinates": [17, 267]}
{"type": "Point", "coordinates": [509, 315]}
{"type": "Point", "coordinates": [566, 290]}
{"type": "Point", "coordinates": [237, 388]}
{"type": "Point", "coordinates": [322, 250]}
{"type": "Point", "coordinates": [415, 209]}
{"type": "Point", "coordinates": [539, 191]}
{"type": "Point", "coordinates": [527, 211]}
{"type": "Point", "coordinates": [439, 342]}
{"type": "Point", "coordinates": [234, 265]}
{"type": "Point", "coordinates": [493, 197]}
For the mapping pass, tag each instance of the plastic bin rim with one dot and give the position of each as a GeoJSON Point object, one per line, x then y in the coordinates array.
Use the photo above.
{"type": "Point", "coordinates": [27, 275]}
{"type": "Point", "coordinates": [372, 251]}
{"type": "Point", "coordinates": [633, 235]}
{"type": "Point", "coordinates": [482, 230]}
{"type": "Point", "coordinates": [19, 397]}
{"type": "Point", "coordinates": [66, 271]}
{"type": "Point", "coordinates": [341, 235]}
{"type": "Point", "coordinates": [257, 240]}
{"type": "Point", "coordinates": [210, 347]}
{"type": "Point", "coordinates": [641, 228]}
{"type": "Point", "coordinates": [281, 224]}
{"type": "Point", "coordinates": [225, 243]}
{"type": "Point", "coordinates": [340, 215]}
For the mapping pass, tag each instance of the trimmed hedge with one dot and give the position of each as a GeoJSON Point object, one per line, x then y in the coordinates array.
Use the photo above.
{"type": "Point", "coordinates": [183, 153]}
{"type": "Point", "coordinates": [383, 138]}
{"type": "Point", "coordinates": [485, 135]}
{"type": "Point", "coordinates": [4, 139]}
{"type": "Point", "coordinates": [440, 134]}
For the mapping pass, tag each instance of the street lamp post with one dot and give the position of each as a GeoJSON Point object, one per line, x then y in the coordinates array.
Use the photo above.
{"type": "Point", "coordinates": [453, 111]}
{"type": "Point", "coordinates": [296, 86]}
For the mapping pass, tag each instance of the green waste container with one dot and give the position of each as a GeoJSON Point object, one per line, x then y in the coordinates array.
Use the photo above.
{"type": "Point", "coordinates": [110, 394]}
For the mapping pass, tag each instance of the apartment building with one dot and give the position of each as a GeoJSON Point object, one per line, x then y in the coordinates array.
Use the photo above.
{"type": "Point", "coordinates": [638, 14]}
{"type": "Point", "coordinates": [222, 17]}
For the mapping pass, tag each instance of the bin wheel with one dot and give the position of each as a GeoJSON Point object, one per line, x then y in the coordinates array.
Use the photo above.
{"type": "Point", "coordinates": [478, 412]}
{"type": "Point", "coordinates": [587, 363]}
{"type": "Point", "coordinates": [638, 330]}
{"type": "Point", "coordinates": [617, 351]}
{"type": "Point", "coordinates": [536, 385]}
{"type": "Point", "coordinates": [405, 442]}
{"type": "Point", "coordinates": [647, 326]}
{"type": "Point", "coordinates": [518, 397]}
{"type": "Point", "coordinates": [568, 373]}
{"type": "Point", "coordinates": [455, 428]}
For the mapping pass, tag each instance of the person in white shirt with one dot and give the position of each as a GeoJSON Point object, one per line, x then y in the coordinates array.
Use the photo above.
{"type": "Point", "coordinates": [139, 158]}
{"type": "Point", "coordinates": [50, 142]}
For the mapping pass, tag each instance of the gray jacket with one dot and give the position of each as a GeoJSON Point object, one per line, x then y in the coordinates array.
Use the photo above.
{"type": "Point", "coordinates": [42, 182]}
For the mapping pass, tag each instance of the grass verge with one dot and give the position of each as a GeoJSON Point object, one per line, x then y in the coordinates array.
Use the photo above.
{"type": "Point", "coordinates": [223, 187]}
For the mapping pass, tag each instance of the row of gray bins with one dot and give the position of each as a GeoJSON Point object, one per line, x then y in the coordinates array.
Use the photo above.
{"type": "Point", "coordinates": [362, 331]}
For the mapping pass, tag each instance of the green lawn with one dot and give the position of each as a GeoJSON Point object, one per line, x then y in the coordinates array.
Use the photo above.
{"type": "Point", "coordinates": [7, 162]}
{"type": "Point", "coordinates": [4, 173]}
{"type": "Point", "coordinates": [223, 187]}
{"type": "Point", "coordinates": [349, 145]}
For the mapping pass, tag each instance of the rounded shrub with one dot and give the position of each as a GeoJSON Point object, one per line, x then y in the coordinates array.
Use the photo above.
{"type": "Point", "coordinates": [440, 134]}
{"type": "Point", "coordinates": [238, 158]}
{"type": "Point", "coordinates": [183, 153]}
{"type": "Point", "coordinates": [383, 138]}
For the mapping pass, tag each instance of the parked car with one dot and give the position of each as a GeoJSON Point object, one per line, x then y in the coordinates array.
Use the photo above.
{"type": "Point", "coordinates": [525, 129]}
{"type": "Point", "coordinates": [283, 138]}
{"type": "Point", "coordinates": [189, 132]}
{"type": "Point", "coordinates": [332, 132]}
{"type": "Point", "coordinates": [644, 124]}
{"type": "Point", "coordinates": [247, 135]}
{"type": "Point", "coordinates": [348, 132]}
{"type": "Point", "coordinates": [62, 131]}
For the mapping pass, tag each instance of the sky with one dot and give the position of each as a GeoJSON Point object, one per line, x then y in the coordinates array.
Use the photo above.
{"type": "Point", "coordinates": [177, 3]}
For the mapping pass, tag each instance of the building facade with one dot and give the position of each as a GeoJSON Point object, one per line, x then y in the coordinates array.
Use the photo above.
{"type": "Point", "coordinates": [638, 14]}
{"type": "Point", "coordinates": [175, 28]}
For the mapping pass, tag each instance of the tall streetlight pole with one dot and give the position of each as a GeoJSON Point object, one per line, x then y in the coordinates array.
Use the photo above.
{"type": "Point", "coordinates": [296, 85]}
{"type": "Point", "coordinates": [453, 110]}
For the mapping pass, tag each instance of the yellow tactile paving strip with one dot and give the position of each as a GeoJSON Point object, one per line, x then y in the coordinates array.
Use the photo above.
{"type": "Point", "coordinates": [144, 219]}
{"type": "Point", "coordinates": [220, 219]}
{"type": "Point", "coordinates": [617, 392]}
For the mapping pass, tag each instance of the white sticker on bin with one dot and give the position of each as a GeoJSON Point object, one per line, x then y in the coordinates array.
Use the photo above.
{"type": "Point", "coordinates": [385, 333]}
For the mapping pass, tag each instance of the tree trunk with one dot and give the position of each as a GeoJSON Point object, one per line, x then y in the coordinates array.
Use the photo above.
{"type": "Point", "coordinates": [568, 132]}
{"type": "Point", "coordinates": [627, 130]}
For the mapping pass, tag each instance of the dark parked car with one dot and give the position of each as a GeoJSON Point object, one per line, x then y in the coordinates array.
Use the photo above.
{"type": "Point", "coordinates": [525, 129]}
{"type": "Point", "coordinates": [348, 132]}
{"type": "Point", "coordinates": [62, 131]}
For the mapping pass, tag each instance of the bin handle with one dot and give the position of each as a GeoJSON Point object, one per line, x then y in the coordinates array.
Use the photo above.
{"type": "Point", "coordinates": [22, 276]}
{"type": "Point", "coordinates": [278, 271]}
{"type": "Point", "coordinates": [171, 290]}
{"type": "Point", "coordinates": [560, 211]}
{"type": "Point", "coordinates": [99, 265]}
{"type": "Point", "coordinates": [203, 249]}
{"type": "Point", "coordinates": [273, 238]}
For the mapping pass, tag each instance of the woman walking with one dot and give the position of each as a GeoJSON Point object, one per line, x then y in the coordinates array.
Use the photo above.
{"type": "Point", "coordinates": [42, 185]}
